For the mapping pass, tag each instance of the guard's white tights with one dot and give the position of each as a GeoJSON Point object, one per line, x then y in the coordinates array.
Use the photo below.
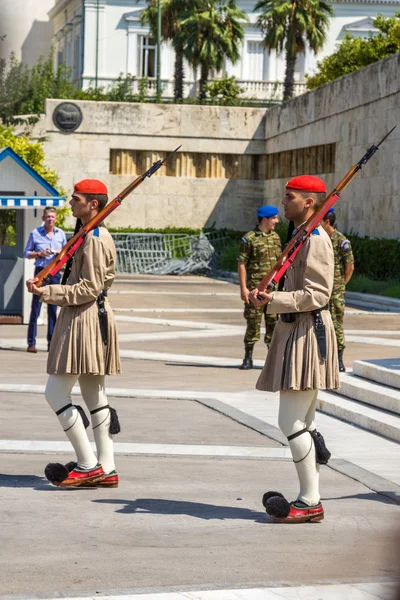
{"type": "Point", "coordinates": [297, 411]}
{"type": "Point", "coordinates": [58, 395]}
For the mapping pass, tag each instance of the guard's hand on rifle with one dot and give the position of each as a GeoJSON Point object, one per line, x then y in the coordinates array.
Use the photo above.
{"type": "Point", "coordinates": [259, 298]}
{"type": "Point", "coordinates": [32, 288]}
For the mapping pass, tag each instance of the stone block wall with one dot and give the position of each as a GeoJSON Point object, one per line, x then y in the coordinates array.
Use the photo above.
{"type": "Point", "coordinates": [353, 113]}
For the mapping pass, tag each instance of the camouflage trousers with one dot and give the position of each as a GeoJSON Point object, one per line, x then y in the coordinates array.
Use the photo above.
{"type": "Point", "coordinates": [336, 308]}
{"type": "Point", "coordinates": [253, 317]}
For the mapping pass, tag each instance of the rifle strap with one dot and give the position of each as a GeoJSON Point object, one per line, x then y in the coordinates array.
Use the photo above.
{"type": "Point", "coordinates": [68, 266]}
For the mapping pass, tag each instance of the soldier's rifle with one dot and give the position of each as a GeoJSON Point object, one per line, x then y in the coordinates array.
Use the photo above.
{"type": "Point", "coordinates": [77, 240]}
{"type": "Point", "coordinates": [293, 247]}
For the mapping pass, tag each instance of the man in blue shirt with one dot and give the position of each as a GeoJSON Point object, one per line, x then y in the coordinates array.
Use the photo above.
{"type": "Point", "coordinates": [43, 243]}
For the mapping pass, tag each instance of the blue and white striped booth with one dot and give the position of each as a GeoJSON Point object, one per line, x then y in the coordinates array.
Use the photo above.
{"type": "Point", "coordinates": [21, 189]}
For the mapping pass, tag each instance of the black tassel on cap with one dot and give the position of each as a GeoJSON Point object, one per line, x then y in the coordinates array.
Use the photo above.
{"type": "Point", "coordinates": [114, 422]}
{"type": "Point", "coordinates": [83, 415]}
{"type": "Point", "coordinates": [322, 454]}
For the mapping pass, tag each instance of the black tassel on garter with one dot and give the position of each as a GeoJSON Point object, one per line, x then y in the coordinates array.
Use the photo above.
{"type": "Point", "coordinates": [114, 422]}
{"type": "Point", "coordinates": [322, 454]}
{"type": "Point", "coordinates": [83, 415]}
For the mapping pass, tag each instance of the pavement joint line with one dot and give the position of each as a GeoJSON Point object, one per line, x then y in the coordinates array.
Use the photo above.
{"type": "Point", "coordinates": [179, 310]}
{"type": "Point", "coordinates": [146, 449]}
{"type": "Point", "coordinates": [346, 591]}
{"type": "Point", "coordinates": [175, 322]}
{"type": "Point", "coordinates": [169, 281]}
{"type": "Point", "coordinates": [215, 401]}
{"type": "Point", "coordinates": [374, 341]}
{"type": "Point", "coordinates": [164, 293]}
{"type": "Point", "coordinates": [176, 335]}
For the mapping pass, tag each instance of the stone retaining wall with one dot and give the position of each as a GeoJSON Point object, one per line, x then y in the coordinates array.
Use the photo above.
{"type": "Point", "coordinates": [352, 113]}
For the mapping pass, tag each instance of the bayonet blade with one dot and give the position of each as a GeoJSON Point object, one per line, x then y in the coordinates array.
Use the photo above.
{"type": "Point", "coordinates": [384, 138]}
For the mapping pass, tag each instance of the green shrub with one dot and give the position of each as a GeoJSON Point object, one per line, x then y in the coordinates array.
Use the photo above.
{"type": "Point", "coordinates": [377, 259]}
{"type": "Point", "coordinates": [227, 260]}
{"type": "Point", "coordinates": [361, 283]}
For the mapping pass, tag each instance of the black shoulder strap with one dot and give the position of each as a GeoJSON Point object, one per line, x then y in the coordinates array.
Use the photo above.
{"type": "Point", "coordinates": [68, 266]}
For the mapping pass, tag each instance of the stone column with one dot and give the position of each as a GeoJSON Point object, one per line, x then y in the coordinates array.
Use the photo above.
{"type": "Point", "coordinates": [93, 42]}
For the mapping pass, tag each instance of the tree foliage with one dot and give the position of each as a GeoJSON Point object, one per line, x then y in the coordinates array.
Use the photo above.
{"type": "Point", "coordinates": [170, 27]}
{"type": "Point", "coordinates": [23, 90]}
{"type": "Point", "coordinates": [288, 25]}
{"type": "Point", "coordinates": [355, 53]}
{"type": "Point", "coordinates": [211, 31]}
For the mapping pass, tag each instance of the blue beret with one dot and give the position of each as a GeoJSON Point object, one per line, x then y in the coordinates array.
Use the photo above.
{"type": "Point", "coordinates": [267, 211]}
{"type": "Point", "coordinates": [331, 210]}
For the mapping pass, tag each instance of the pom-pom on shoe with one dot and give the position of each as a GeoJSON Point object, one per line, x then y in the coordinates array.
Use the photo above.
{"type": "Point", "coordinates": [72, 476]}
{"type": "Point", "coordinates": [267, 496]}
{"type": "Point", "coordinates": [295, 512]}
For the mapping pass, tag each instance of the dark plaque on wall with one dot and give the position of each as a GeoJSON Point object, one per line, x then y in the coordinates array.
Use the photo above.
{"type": "Point", "coordinates": [67, 116]}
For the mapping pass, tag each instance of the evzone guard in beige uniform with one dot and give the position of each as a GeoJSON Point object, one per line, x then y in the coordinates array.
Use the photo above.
{"type": "Point", "coordinates": [84, 348]}
{"type": "Point", "coordinates": [302, 357]}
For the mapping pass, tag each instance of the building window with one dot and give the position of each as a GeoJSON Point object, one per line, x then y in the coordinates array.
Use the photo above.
{"type": "Point", "coordinates": [147, 57]}
{"type": "Point", "coordinates": [314, 159]}
{"type": "Point", "coordinates": [255, 57]}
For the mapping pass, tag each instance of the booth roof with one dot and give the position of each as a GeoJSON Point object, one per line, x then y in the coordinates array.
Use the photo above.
{"type": "Point", "coordinates": [31, 201]}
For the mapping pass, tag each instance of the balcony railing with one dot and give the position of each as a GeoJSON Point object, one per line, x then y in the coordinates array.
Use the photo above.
{"type": "Point", "coordinates": [259, 91]}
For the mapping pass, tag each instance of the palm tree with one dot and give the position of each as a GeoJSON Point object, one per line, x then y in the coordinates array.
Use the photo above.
{"type": "Point", "coordinates": [211, 30]}
{"type": "Point", "coordinates": [170, 11]}
{"type": "Point", "coordinates": [288, 25]}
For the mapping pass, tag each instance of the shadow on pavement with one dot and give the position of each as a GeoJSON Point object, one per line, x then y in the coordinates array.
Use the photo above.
{"type": "Point", "coordinates": [179, 507]}
{"type": "Point", "coordinates": [373, 496]}
{"type": "Point", "coordinates": [23, 481]}
{"type": "Point", "coordinates": [189, 364]}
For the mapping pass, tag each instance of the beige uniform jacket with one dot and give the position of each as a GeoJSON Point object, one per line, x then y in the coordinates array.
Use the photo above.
{"type": "Point", "coordinates": [293, 360]}
{"type": "Point", "coordinates": [77, 346]}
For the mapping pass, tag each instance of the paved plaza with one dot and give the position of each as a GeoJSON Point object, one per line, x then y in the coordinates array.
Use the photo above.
{"type": "Point", "coordinates": [198, 448]}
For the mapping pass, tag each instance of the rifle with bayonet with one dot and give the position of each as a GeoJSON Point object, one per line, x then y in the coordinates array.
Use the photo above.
{"type": "Point", "coordinates": [80, 234]}
{"type": "Point", "coordinates": [272, 278]}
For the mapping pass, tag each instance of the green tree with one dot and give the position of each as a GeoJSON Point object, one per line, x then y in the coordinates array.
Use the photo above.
{"type": "Point", "coordinates": [288, 25]}
{"type": "Point", "coordinates": [170, 26]}
{"type": "Point", "coordinates": [23, 91]}
{"type": "Point", "coordinates": [355, 53]}
{"type": "Point", "coordinates": [32, 153]}
{"type": "Point", "coordinates": [211, 31]}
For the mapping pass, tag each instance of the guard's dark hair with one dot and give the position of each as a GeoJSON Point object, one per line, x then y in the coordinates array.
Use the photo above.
{"type": "Point", "coordinates": [102, 199]}
{"type": "Point", "coordinates": [331, 218]}
{"type": "Point", "coordinates": [319, 197]}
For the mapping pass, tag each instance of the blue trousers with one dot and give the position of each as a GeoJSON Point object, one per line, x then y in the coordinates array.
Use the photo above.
{"type": "Point", "coordinates": [35, 312]}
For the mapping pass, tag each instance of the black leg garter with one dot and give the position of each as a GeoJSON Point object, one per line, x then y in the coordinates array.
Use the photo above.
{"type": "Point", "coordinates": [322, 454]}
{"type": "Point", "coordinates": [80, 411]}
{"type": "Point", "coordinates": [114, 426]}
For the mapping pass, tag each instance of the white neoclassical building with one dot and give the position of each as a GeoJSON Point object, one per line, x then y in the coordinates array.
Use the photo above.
{"type": "Point", "coordinates": [99, 39]}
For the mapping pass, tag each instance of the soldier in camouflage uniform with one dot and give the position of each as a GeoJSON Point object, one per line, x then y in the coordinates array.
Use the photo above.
{"type": "Point", "coordinates": [344, 267]}
{"type": "Point", "coordinates": [259, 250]}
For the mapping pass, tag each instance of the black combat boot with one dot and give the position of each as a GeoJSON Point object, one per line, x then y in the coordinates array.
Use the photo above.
{"type": "Point", "coordinates": [342, 368]}
{"type": "Point", "coordinates": [248, 358]}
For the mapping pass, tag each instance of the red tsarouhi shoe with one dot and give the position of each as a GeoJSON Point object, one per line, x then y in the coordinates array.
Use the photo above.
{"type": "Point", "coordinates": [78, 477]}
{"type": "Point", "coordinates": [301, 513]}
{"type": "Point", "coordinates": [110, 481]}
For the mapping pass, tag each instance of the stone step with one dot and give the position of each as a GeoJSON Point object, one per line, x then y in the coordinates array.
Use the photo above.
{"type": "Point", "coordinates": [359, 414]}
{"type": "Point", "coordinates": [373, 394]}
{"type": "Point", "coordinates": [372, 301]}
{"type": "Point", "coordinates": [385, 371]}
